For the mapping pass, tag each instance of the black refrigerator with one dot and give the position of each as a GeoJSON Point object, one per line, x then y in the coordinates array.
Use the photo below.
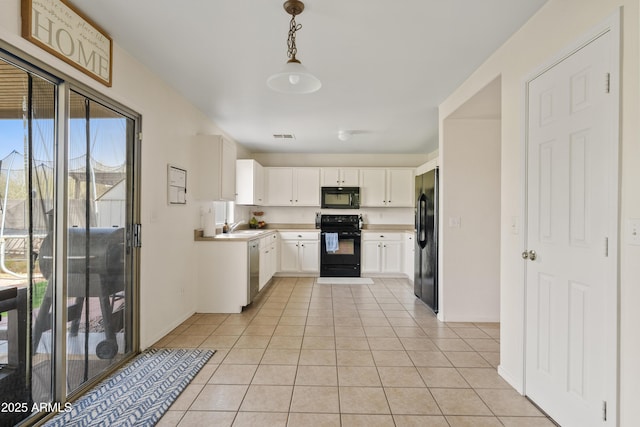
{"type": "Point", "coordinates": [426, 255]}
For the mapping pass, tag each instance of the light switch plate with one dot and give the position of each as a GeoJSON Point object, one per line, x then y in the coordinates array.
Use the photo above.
{"type": "Point", "coordinates": [633, 231]}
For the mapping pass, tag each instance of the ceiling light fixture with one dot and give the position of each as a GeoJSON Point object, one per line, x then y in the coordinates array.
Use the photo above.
{"type": "Point", "coordinates": [344, 135]}
{"type": "Point", "coordinates": [294, 77]}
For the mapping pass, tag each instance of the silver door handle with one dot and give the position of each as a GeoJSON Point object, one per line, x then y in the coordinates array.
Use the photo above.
{"type": "Point", "coordinates": [531, 255]}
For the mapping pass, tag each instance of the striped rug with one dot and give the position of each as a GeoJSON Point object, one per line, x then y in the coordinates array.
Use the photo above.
{"type": "Point", "coordinates": [139, 393]}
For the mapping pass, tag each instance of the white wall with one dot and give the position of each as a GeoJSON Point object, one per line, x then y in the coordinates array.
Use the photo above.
{"type": "Point", "coordinates": [307, 215]}
{"type": "Point", "coordinates": [557, 25]}
{"type": "Point", "coordinates": [355, 160]}
{"type": "Point", "coordinates": [167, 290]}
{"type": "Point", "coordinates": [470, 192]}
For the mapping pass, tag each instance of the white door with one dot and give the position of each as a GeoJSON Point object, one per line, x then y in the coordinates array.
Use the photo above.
{"type": "Point", "coordinates": [289, 255]}
{"type": "Point", "coordinates": [228, 185]}
{"type": "Point", "coordinates": [309, 256]}
{"type": "Point", "coordinates": [373, 191]}
{"type": "Point", "coordinates": [263, 276]}
{"type": "Point", "coordinates": [330, 177]}
{"type": "Point", "coordinates": [568, 223]}
{"type": "Point", "coordinates": [350, 177]}
{"type": "Point", "coordinates": [392, 256]}
{"type": "Point", "coordinates": [400, 183]}
{"type": "Point", "coordinates": [307, 187]}
{"type": "Point", "coordinates": [279, 187]}
{"type": "Point", "coordinates": [371, 250]}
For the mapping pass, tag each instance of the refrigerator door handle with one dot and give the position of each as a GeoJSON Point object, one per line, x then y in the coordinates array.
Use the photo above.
{"type": "Point", "coordinates": [422, 221]}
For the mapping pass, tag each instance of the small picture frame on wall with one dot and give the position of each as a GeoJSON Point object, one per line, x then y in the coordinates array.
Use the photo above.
{"type": "Point", "coordinates": [176, 185]}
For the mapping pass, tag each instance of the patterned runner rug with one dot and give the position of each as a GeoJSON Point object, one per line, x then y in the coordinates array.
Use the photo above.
{"type": "Point", "coordinates": [139, 393]}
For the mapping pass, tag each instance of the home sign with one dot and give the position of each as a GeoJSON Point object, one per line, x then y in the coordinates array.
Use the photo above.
{"type": "Point", "coordinates": [57, 27]}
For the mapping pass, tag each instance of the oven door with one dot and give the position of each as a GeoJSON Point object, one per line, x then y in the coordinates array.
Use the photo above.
{"type": "Point", "coordinates": [340, 254]}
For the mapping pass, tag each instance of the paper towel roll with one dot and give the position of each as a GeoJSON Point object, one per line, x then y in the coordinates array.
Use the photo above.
{"type": "Point", "coordinates": [209, 224]}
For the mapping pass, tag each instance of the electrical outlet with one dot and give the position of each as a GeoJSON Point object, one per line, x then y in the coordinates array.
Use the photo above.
{"type": "Point", "coordinates": [454, 222]}
{"type": "Point", "coordinates": [633, 231]}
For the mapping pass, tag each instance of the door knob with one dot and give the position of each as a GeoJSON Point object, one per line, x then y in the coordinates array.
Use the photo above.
{"type": "Point", "coordinates": [529, 255]}
{"type": "Point", "coordinates": [525, 255]}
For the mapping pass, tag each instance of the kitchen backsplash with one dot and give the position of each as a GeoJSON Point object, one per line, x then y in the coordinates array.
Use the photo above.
{"type": "Point", "coordinates": [306, 215]}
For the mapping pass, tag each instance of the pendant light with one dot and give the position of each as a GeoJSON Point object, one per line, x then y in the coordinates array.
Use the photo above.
{"type": "Point", "coordinates": [294, 77]}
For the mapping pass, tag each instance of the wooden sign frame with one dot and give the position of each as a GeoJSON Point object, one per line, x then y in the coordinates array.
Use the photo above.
{"type": "Point", "coordinates": [59, 28]}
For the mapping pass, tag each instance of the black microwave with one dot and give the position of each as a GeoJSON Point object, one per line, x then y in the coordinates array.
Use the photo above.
{"type": "Point", "coordinates": [340, 198]}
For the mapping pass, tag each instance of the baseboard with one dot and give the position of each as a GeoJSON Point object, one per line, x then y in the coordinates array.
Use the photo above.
{"type": "Point", "coordinates": [386, 275]}
{"type": "Point", "coordinates": [467, 319]}
{"type": "Point", "coordinates": [173, 325]}
{"type": "Point", "coordinates": [296, 274]}
{"type": "Point", "coordinates": [511, 379]}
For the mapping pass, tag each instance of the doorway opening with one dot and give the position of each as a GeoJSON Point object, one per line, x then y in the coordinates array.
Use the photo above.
{"type": "Point", "coordinates": [470, 155]}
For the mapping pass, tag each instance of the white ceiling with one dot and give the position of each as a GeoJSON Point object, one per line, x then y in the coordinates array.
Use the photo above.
{"type": "Point", "coordinates": [384, 65]}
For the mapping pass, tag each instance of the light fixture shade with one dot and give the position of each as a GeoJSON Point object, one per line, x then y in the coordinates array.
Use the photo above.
{"type": "Point", "coordinates": [294, 78]}
{"type": "Point", "coordinates": [344, 135]}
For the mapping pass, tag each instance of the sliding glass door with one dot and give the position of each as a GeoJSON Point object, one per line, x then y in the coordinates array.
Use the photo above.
{"type": "Point", "coordinates": [27, 175]}
{"type": "Point", "coordinates": [67, 276]}
{"type": "Point", "coordinates": [97, 279]}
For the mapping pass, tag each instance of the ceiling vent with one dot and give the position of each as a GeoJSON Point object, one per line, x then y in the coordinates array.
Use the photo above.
{"type": "Point", "coordinates": [284, 136]}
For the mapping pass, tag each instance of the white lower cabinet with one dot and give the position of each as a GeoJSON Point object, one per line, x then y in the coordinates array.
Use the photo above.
{"type": "Point", "coordinates": [223, 276]}
{"type": "Point", "coordinates": [269, 249]}
{"type": "Point", "coordinates": [299, 252]}
{"type": "Point", "coordinates": [409, 254]}
{"type": "Point", "coordinates": [382, 253]}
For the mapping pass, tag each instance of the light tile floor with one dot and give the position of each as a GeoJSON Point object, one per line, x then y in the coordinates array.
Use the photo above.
{"type": "Point", "coordinates": [306, 354]}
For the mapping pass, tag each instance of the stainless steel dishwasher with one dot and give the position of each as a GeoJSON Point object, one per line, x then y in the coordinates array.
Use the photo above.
{"type": "Point", "coordinates": [254, 269]}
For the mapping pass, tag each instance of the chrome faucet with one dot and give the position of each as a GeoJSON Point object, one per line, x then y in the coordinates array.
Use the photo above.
{"type": "Point", "coordinates": [235, 225]}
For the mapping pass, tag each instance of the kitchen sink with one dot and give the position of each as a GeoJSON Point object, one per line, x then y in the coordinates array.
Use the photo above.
{"type": "Point", "coordinates": [248, 232]}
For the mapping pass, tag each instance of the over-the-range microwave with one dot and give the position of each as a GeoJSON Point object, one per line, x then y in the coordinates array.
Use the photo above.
{"type": "Point", "coordinates": [340, 198]}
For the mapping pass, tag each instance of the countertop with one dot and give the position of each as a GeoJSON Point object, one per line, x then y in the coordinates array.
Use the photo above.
{"type": "Point", "coordinates": [243, 235]}
{"type": "Point", "coordinates": [246, 234]}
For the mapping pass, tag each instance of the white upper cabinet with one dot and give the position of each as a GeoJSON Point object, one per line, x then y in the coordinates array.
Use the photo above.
{"type": "Point", "coordinates": [400, 187]}
{"type": "Point", "coordinates": [249, 182]}
{"type": "Point", "coordinates": [380, 187]}
{"type": "Point", "coordinates": [215, 177]}
{"type": "Point", "coordinates": [292, 186]}
{"type": "Point", "coordinates": [307, 186]}
{"type": "Point", "coordinates": [340, 177]}
{"type": "Point", "coordinates": [373, 190]}
{"type": "Point", "coordinates": [279, 186]}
